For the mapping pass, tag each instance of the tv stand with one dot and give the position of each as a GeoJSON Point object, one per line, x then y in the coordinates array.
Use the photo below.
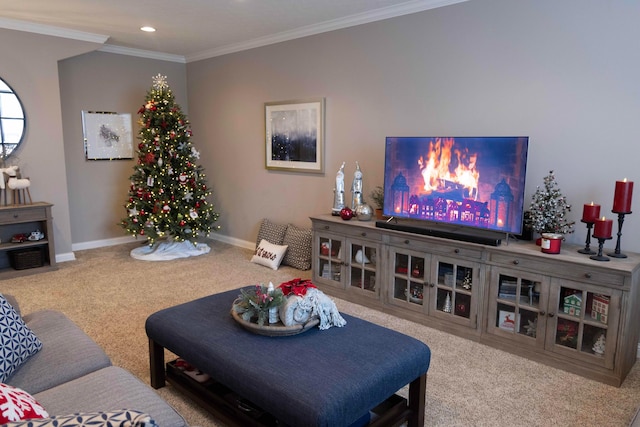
{"type": "Point", "coordinates": [565, 310]}
{"type": "Point", "coordinates": [464, 235]}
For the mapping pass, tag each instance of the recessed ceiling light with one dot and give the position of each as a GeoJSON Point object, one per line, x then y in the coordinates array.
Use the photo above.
{"type": "Point", "coordinates": [148, 29]}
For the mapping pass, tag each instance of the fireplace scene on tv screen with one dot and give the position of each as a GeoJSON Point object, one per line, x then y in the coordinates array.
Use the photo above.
{"type": "Point", "coordinates": [472, 181]}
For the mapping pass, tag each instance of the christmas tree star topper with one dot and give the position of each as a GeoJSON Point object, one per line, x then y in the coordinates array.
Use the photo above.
{"type": "Point", "coordinates": [160, 82]}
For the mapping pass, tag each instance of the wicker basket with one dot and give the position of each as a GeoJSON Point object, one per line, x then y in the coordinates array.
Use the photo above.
{"type": "Point", "coordinates": [22, 259]}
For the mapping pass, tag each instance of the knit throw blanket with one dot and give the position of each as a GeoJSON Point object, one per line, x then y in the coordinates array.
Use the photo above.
{"type": "Point", "coordinates": [298, 310]}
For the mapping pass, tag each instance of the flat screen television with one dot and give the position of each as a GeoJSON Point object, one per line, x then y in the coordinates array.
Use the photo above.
{"type": "Point", "coordinates": [475, 182]}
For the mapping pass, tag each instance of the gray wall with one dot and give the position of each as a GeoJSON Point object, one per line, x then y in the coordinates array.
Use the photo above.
{"type": "Point", "coordinates": [30, 66]}
{"type": "Point", "coordinates": [101, 81]}
{"type": "Point", "coordinates": [563, 73]}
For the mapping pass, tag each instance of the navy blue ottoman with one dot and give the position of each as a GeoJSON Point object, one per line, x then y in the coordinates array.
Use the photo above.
{"type": "Point", "coordinates": [326, 378]}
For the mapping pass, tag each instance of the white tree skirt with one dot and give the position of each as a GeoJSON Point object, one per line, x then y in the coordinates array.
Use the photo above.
{"type": "Point", "coordinates": [168, 250]}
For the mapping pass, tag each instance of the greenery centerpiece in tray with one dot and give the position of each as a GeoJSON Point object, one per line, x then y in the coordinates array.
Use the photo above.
{"type": "Point", "coordinates": [253, 304]}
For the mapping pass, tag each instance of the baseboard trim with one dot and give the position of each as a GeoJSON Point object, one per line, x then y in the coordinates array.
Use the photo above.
{"type": "Point", "coordinates": [69, 256]}
{"type": "Point", "coordinates": [94, 244]}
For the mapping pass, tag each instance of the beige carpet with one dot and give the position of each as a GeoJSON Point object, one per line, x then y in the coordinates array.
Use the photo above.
{"type": "Point", "coordinates": [109, 295]}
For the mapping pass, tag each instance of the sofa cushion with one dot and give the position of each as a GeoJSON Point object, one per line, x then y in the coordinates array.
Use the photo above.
{"type": "Point", "coordinates": [271, 232]}
{"type": "Point", "coordinates": [268, 254]}
{"type": "Point", "coordinates": [67, 353]}
{"type": "Point", "coordinates": [17, 405]}
{"type": "Point", "coordinates": [17, 341]}
{"type": "Point", "coordinates": [121, 418]}
{"type": "Point", "coordinates": [298, 253]}
{"type": "Point", "coordinates": [109, 389]}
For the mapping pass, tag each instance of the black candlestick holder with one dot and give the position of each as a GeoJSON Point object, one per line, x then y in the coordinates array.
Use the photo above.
{"type": "Point", "coordinates": [587, 250]}
{"type": "Point", "coordinates": [599, 256]}
{"type": "Point", "coordinates": [617, 253]}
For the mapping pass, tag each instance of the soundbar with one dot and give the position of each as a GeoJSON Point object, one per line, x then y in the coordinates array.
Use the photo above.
{"type": "Point", "coordinates": [463, 236]}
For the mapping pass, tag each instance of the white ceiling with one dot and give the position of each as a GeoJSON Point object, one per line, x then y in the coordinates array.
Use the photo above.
{"type": "Point", "coordinates": [190, 30]}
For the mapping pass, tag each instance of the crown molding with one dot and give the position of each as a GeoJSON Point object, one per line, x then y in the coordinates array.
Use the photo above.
{"type": "Point", "coordinates": [49, 30]}
{"type": "Point", "coordinates": [332, 25]}
{"type": "Point", "coordinates": [143, 53]}
{"type": "Point", "coordinates": [335, 24]}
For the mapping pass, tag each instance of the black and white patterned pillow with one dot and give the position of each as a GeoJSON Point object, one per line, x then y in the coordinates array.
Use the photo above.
{"type": "Point", "coordinates": [299, 242]}
{"type": "Point", "coordinates": [17, 341]}
{"type": "Point", "coordinates": [271, 232]}
{"type": "Point", "coordinates": [122, 418]}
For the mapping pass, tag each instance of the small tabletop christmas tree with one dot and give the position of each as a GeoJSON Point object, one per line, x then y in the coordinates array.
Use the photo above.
{"type": "Point", "coordinates": [168, 192]}
{"type": "Point", "coordinates": [549, 209]}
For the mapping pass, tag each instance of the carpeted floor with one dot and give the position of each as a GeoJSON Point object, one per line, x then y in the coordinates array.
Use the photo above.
{"type": "Point", "coordinates": [109, 295]}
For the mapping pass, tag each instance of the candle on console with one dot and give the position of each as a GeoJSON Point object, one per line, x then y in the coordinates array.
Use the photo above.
{"type": "Point", "coordinates": [622, 196]}
{"type": "Point", "coordinates": [602, 228]}
{"type": "Point", "coordinates": [590, 212]}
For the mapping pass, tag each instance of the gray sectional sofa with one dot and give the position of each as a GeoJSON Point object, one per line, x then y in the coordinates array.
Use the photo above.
{"type": "Point", "coordinates": [72, 374]}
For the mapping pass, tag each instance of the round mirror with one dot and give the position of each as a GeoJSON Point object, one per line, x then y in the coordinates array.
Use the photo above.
{"type": "Point", "coordinates": [12, 121]}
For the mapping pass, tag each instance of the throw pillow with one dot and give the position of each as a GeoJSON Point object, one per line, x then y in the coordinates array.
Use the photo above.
{"type": "Point", "coordinates": [268, 254]}
{"type": "Point", "coordinates": [17, 341]}
{"type": "Point", "coordinates": [299, 242]}
{"type": "Point", "coordinates": [17, 405]}
{"type": "Point", "coordinates": [271, 232]}
{"type": "Point", "coordinates": [121, 418]}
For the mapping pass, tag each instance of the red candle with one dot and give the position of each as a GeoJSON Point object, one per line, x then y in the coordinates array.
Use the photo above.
{"type": "Point", "coordinates": [622, 196]}
{"type": "Point", "coordinates": [602, 228]}
{"type": "Point", "coordinates": [590, 212]}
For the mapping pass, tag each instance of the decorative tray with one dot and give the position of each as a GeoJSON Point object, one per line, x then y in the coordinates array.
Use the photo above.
{"type": "Point", "coordinates": [275, 329]}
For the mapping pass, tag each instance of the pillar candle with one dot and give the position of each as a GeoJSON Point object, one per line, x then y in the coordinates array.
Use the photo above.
{"type": "Point", "coordinates": [622, 196]}
{"type": "Point", "coordinates": [602, 228]}
{"type": "Point", "coordinates": [590, 212]}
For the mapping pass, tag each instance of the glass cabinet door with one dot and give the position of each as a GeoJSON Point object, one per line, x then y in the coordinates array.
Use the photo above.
{"type": "Point", "coordinates": [517, 306]}
{"type": "Point", "coordinates": [453, 290]}
{"type": "Point", "coordinates": [584, 315]}
{"type": "Point", "coordinates": [409, 280]}
{"type": "Point", "coordinates": [363, 266]}
{"type": "Point", "coordinates": [330, 260]}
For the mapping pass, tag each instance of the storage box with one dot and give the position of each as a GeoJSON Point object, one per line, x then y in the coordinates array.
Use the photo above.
{"type": "Point", "coordinates": [22, 259]}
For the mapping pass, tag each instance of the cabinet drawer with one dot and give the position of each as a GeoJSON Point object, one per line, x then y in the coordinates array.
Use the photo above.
{"type": "Point", "coordinates": [570, 271]}
{"type": "Point", "coordinates": [345, 230]}
{"type": "Point", "coordinates": [22, 215]}
{"type": "Point", "coordinates": [431, 247]}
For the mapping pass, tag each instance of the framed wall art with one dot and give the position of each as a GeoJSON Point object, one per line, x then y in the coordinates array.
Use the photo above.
{"type": "Point", "coordinates": [107, 136]}
{"type": "Point", "coordinates": [295, 135]}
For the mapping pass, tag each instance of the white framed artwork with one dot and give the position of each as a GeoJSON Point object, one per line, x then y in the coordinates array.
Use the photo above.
{"type": "Point", "coordinates": [107, 136]}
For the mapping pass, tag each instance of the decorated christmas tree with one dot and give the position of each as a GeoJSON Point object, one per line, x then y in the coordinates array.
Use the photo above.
{"type": "Point", "coordinates": [549, 209]}
{"type": "Point", "coordinates": [168, 193]}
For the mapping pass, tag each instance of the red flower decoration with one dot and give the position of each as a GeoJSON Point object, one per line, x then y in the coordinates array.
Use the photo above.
{"type": "Point", "coordinates": [296, 286]}
{"type": "Point", "coordinates": [149, 158]}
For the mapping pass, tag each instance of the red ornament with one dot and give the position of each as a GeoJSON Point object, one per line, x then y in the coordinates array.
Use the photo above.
{"type": "Point", "coordinates": [182, 223]}
{"type": "Point", "coordinates": [149, 158]}
{"type": "Point", "coordinates": [346, 214]}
